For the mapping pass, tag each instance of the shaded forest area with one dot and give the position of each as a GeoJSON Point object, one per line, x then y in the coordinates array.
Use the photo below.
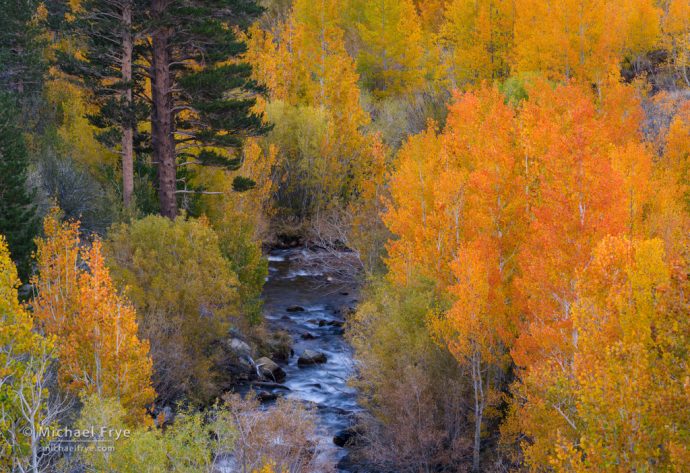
{"type": "Point", "coordinates": [507, 180]}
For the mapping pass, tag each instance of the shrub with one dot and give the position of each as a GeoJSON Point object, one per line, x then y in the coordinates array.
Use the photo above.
{"type": "Point", "coordinates": [186, 295]}
{"type": "Point", "coordinates": [414, 389]}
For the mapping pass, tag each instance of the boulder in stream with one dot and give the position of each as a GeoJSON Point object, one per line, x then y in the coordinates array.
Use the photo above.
{"type": "Point", "coordinates": [244, 368]}
{"type": "Point", "coordinates": [270, 370]}
{"type": "Point", "coordinates": [347, 436]}
{"type": "Point", "coordinates": [295, 308]}
{"type": "Point", "coordinates": [266, 396]}
{"type": "Point", "coordinates": [311, 357]}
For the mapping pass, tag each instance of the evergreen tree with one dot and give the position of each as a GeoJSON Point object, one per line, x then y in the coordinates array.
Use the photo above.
{"type": "Point", "coordinates": [21, 47]}
{"type": "Point", "coordinates": [18, 220]}
{"type": "Point", "coordinates": [201, 92]}
{"type": "Point", "coordinates": [109, 65]}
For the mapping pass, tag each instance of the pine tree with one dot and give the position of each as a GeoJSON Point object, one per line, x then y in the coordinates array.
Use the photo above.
{"type": "Point", "coordinates": [201, 94]}
{"type": "Point", "coordinates": [108, 64]}
{"type": "Point", "coordinates": [18, 219]}
{"type": "Point", "coordinates": [22, 63]}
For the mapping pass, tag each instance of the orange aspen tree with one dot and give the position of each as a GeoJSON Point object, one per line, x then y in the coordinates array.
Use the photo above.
{"type": "Point", "coordinates": [576, 199]}
{"type": "Point", "coordinates": [622, 116]}
{"type": "Point", "coordinates": [95, 328]}
{"type": "Point", "coordinates": [439, 178]}
{"type": "Point", "coordinates": [478, 328]}
{"type": "Point", "coordinates": [425, 211]}
{"type": "Point", "coordinates": [457, 211]}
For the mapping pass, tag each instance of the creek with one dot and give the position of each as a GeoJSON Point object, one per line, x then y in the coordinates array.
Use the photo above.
{"type": "Point", "coordinates": [304, 300]}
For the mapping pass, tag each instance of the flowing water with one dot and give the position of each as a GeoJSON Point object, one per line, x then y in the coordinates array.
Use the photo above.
{"type": "Point", "coordinates": [296, 284]}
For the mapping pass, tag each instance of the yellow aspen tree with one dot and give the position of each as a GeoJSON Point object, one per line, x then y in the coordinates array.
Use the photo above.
{"type": "Point", "coordinates": [675, 29]}
{"type": "Point", "coordinates": [641, 28]}
{"type": "Point", "coordinates": [391, 59]}
{"type": "Point", "coordinates": [628, 378]}
{"type": "Point", "coordinates": [368, 233]}
{"type": "Point", "coordinates": [306, 65]}
{"type": "Point", "coordinates": [567, 39]}
{"type": "Point", "coordinates": [479, 37]}
{"type": "Point", "coordinates": [26, 358]}
{"type": "Point", "coordinates": [333, 88]}
{"type": "Point", "coordinates": [431, 14]}
{"type": "Point", "coordinates": [669, 215]}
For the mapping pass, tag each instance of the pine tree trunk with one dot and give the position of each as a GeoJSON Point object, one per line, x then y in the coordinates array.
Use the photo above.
{"type": "Point", "coordinates": [162, 116]}
{"type": "Point", "coordinates": [127, 126]}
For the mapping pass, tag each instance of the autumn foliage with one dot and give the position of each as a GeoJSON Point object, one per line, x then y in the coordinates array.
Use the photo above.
{"type": "Point", "coordinates": [26, 358]}
{"type": "Point", "coordinates": [513, 211]}
{"type": "Point", "coordinates": [509, 181]}
{"type": "Point", "coordinates": [95, 327]}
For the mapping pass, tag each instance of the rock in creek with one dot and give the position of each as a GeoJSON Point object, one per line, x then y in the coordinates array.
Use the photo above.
{"type": "Point", "coordinates": [266, 396]}
{"type": "Point", "coordinates": [245, 367]}
{"type": "Point", "coordinates": [295, 308]}
{"type": "Point", "coordinates": [347, 436]}
{"type": "Point", "coordinates": [270, 370]}
{"type": "Point", "coordinates": [311, 357]}
{"type": "Point", "coordinates": [331, 323]}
